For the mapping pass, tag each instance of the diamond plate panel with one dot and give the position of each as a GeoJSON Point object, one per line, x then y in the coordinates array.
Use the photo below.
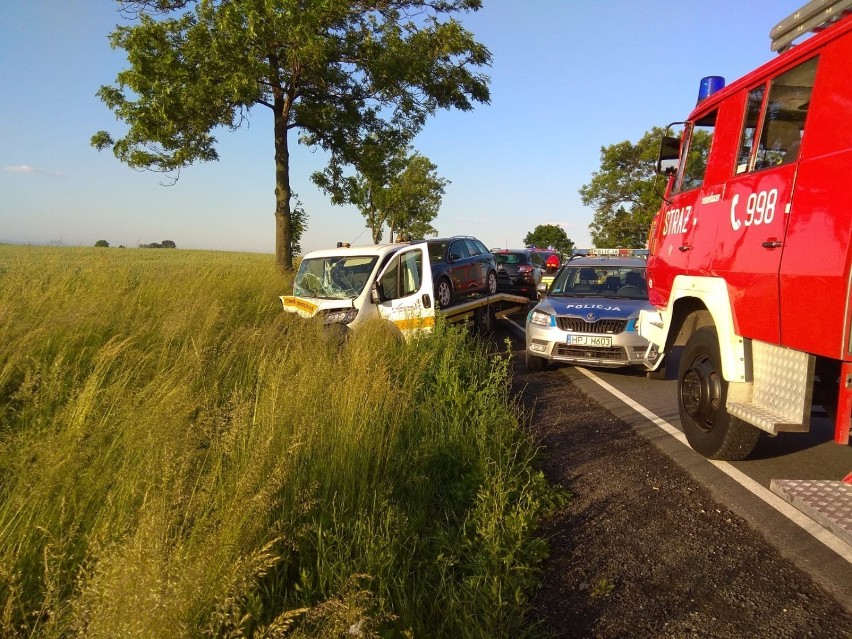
{"type": "Point", "coordinates": [829, 503]}
{"type": "Point", "coordinates": [782, 380]}
{"type": "Point", "coordinates": [759, 416]}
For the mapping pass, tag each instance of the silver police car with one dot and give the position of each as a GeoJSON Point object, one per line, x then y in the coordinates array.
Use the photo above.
{"type": "Point", "coordinates": [589, 314]}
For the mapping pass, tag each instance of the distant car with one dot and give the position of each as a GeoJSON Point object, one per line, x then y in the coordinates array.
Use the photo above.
{"type": "Point", "coordinates": [589, 315]}
{"type": "Point", "coordinates": [461, 266]}
{"type": "Point", "coordinates": [519, 271]}
{"type": "Point", "coordinates": [552, 261]}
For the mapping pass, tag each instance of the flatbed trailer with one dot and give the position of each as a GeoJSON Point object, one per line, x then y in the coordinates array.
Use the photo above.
{"type": "Point", "coordinates": [496, 307]}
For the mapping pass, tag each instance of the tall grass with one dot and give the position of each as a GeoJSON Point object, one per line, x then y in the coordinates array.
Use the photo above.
{"type": "Point", "coordinates": [178, 457]}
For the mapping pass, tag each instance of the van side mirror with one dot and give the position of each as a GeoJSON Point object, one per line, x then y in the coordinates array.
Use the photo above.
{"type": "Point", "coordinates": [669, 157]}
{"type": "Point", "coordinates": [376, 293]}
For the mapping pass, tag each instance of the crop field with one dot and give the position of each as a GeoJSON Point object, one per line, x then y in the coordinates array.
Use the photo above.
{"type": "Point", "coordinates": [180, 458]}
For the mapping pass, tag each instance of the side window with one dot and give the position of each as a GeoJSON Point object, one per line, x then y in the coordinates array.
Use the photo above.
{"type": "Point", "coordinates": [753, 108]}
{"type": "Point", "coordinates": [695, 154]}
{"type": "Point", "coordinates": [784, 119]}
{"type": "Point", "coordinates": [458, 249]}
{"type": "Point", "coordinates": [411, 273]}
{"type": "Point", "coordinates": [389, 280]}
{"type": "Point", "coordinates": [473, 249]}
{"type": "Point", "coordinates": [437, 251]}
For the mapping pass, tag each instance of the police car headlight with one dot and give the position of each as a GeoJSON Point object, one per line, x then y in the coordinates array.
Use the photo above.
{"type": "Point", "coordinates": [631, 325]}
{"type": "Point", "coordinates": [542, 319]}
{"type": "Point", "coordinates": [343, 316]}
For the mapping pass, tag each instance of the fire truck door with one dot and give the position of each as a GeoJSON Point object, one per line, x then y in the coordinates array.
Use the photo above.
{"type": "Point", "coordinates": [679, 231]}
{"type": "Point", "coordinates": [685, 238]}
{"type": "Point", "coordinates": [749, 244]}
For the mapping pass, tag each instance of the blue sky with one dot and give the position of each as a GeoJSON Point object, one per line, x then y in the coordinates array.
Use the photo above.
{"type": "Point", "coordinates": [568, 77]}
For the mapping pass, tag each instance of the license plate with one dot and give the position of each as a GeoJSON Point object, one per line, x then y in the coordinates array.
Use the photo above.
{"type": "Point", "coordinates": [590, 340]}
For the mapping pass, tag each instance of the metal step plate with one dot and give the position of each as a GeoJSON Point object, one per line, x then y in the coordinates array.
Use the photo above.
{"type": "Point", "coordinates": [827, 502]}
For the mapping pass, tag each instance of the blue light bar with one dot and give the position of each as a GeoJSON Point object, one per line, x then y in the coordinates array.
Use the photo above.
{"type": "Point", "coordinates": [709, 86]}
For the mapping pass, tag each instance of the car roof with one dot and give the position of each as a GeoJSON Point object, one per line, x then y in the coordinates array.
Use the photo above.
{"type": "Point", "coordinates": [448, 239]}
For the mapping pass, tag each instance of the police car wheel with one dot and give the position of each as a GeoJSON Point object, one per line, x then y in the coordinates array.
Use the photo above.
{"type": "Point", "coordinates": [536, 363]}
{"type": "Point", "coordinates": [658, 374]}
{"type": "Point", "coordinates": [701, 398]}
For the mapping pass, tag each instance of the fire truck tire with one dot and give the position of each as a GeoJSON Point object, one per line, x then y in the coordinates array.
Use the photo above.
{"type": "Point", "coordinates": [536, 363]}
{"type": "Point", "coordinates": [444, 293]}
{"type": "Point", "coordinates": [701, 397]}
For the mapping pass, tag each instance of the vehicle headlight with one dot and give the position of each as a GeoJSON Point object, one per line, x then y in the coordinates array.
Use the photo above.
{"type": "Point", "coordinates": [542, 319]}
{"type": "Point", "coordinates": [631, 325]}
{"type": "Point", "coordinates": [343, 316]}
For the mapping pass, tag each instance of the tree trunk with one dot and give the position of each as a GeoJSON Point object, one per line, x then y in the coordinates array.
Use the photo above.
{"type": "Point", "coordinates": [283, 227]}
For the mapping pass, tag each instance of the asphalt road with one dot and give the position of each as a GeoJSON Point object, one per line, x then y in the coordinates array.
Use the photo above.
{"type": "Point", "coordinates": [651, 408]}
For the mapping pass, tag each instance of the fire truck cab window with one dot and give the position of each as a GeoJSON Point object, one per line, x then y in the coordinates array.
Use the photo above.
{"type": "Point", "coordinates": [784, 118]}
{"type": "Point", "coordinates": [695, 155]}
{"type": "Point", "coordinates": [755, 102]}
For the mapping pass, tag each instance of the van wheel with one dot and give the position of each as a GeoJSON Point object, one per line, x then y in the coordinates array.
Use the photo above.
{"type": "Point", "coordinates": [492, 282]}
{"type": "Point", "coordinates": [701, 399]}
{"type": "Point", "coordinates": [534, 363]}
{"type": "Point", "coordinates": [443, 293]}
{"type": "Point", "coordinates": [485, 320]}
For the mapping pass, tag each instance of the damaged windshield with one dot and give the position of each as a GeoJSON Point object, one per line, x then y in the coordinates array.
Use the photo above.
{"type": "Point", "coordinates": [334, 277]}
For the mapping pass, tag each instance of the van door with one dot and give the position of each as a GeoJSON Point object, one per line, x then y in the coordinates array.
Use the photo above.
{"type": "Point", "coordinates": [404, 289]}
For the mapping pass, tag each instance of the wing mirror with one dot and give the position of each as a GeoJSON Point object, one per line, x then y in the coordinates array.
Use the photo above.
{"type": "Point", "coordinates": [669, 157]}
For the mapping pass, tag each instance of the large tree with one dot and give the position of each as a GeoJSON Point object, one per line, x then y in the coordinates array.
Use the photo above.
{"type": "Point", "coordinates": [626, 192]}
{"type": "Point", "coordinates": [390, 187]}
{"type": "Point", "coordinates": [549, 236]}
{"type": "Point", "coordinates": [339, 71]}
{"type": "Point", "coordinates": [412, 199]}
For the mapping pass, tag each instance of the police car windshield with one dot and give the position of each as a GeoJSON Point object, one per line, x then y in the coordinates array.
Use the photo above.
{"type": "Point", "coordinates": [602, 280]}
{"type": "Point", "coordinates": [334, 278]}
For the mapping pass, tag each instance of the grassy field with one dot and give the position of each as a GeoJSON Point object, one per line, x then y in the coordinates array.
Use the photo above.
{"type": "Point", "coordinates": [178, 457]}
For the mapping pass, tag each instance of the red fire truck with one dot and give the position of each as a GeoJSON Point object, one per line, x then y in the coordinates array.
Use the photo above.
{"type": "Point", "coordinates": [750, 265]}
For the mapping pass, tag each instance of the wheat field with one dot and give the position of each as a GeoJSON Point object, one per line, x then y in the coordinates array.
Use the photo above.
{"type": "Point", "coordinates": [180, 458]}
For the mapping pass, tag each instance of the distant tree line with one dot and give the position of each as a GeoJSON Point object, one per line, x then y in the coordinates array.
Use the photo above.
{"type": "Point", "coordinates": [163, 244]}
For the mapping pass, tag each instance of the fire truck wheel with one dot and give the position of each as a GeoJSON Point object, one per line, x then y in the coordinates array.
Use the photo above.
{"type": "Point", "coordinates": [443, 293]}
{"type": "Point", "coordinates": [701, 399]}
{"type": "Point", "coordinates": [536, 363]}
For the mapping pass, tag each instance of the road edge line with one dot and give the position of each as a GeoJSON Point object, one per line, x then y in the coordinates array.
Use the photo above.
{"type": "Point", "coordinates": [804, 522]}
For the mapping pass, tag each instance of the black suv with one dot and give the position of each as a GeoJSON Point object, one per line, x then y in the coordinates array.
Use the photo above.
{"type": "Point", "coordinates": [519, 271]}
{"type": "Point", "coordinates": [461, 265]}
